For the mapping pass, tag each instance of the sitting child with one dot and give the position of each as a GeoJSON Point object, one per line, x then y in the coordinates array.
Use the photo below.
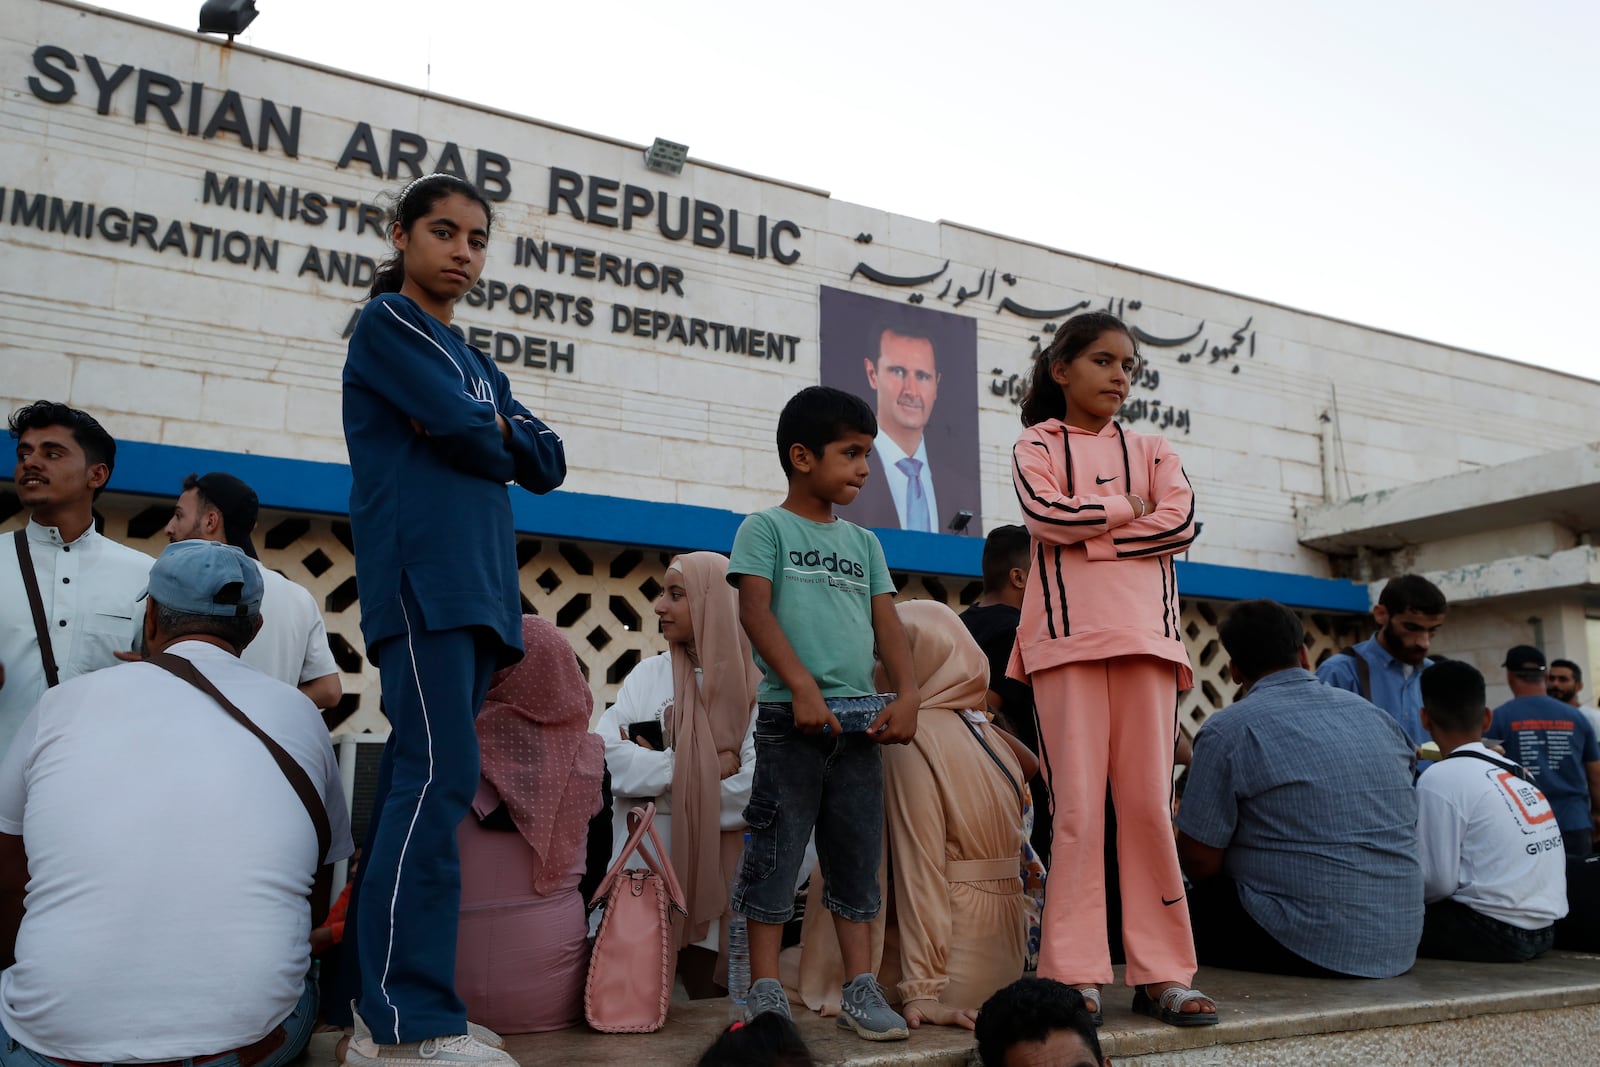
{"type": "Point", "coordinates": [814, 595]}
{"type": "Point", "coordinates": [1493, 868]}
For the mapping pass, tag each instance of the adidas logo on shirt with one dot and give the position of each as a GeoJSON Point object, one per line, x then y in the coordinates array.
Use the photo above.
{"type": "Point", "coordinates": [831, 563]}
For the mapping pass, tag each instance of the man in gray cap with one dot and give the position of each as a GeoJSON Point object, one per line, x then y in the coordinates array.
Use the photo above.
{"type": "Point", "coordinates": [293, 643]}
{"type": "Point", "coordinates": [1556, 744]}
{"type": "Point", "coordinates": [168, 838]}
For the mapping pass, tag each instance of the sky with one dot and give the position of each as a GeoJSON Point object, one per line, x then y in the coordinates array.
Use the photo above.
{"type": "Point", "coordinates": [1426, 168]}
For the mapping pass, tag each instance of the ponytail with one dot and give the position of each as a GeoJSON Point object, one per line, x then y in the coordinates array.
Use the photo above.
{"type": "Point", "coordinates": [390, 275]}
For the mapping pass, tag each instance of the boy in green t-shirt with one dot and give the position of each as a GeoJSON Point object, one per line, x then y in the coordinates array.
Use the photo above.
{"type": "Point", "coordinates": [814, 595]}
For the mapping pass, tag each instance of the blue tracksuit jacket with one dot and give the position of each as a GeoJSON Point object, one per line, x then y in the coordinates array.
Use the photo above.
{"type": "Point", "coordinates": [434, 510]}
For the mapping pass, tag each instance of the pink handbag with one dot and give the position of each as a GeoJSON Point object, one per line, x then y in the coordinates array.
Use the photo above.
{"type": "Point", "coordinates": [630, 971]}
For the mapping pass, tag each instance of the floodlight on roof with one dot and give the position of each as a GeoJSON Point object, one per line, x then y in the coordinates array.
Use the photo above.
{"type": "Point", "coordinates": [667, 157]}
{"type": "Point", "coordinates": [226, 16]}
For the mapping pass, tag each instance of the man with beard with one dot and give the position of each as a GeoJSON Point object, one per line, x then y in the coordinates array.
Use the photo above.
{"type": "Point", "coordinates": [293, 643]}
{"type": "Point", "coordinates": [1564, 681]}
{"type": "Point", "coordinates": [1387, 668]}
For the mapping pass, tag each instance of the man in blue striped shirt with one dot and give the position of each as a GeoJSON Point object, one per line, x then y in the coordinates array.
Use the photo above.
{"type": "Point", "coordinates": [1299, 821]}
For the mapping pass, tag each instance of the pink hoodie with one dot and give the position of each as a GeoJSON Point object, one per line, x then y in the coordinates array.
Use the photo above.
{"type": "Point", "coordinates": [1102, 582]}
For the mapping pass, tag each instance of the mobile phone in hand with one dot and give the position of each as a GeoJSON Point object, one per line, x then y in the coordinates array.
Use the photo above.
{"type": "Point", "coordinates": [650, 730]}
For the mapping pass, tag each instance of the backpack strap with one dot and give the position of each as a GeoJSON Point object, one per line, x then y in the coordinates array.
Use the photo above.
{"type": "Point", "coordinates": [977, 735]}
{"type": "Point", "coordinates": [296, 774]}
{"type": "Point", "coordinates": [1504, 765]}
{"type": "Point", "coordinates": [41, 628]}
{"type": "Point", "coordinates": [1363, 671]}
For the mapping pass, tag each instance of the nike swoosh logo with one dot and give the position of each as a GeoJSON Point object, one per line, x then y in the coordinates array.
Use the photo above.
{"type": "Point", "coordinates": [1174, 900]}
{"type": "Point", "coordinates": [1102, 481]}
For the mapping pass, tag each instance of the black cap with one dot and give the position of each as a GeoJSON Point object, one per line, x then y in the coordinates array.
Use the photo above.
{"type": "Point", "coordinates": [238, 504]}
{"type": "Point", "coordinates": [1524, 658]}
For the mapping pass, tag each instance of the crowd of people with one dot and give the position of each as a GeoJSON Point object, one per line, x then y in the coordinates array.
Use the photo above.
{"type": "Point", "coordinates": [951, 797]}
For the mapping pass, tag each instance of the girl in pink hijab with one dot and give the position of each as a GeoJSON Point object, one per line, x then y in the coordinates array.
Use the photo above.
{"type": "Point", "coordinates": [681, 734]}
{"type": "Point", "coordinates": [522, 954]}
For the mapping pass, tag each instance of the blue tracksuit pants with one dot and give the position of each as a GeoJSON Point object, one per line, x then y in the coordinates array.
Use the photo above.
{"type": "Point", "coordinates": [406, 906]}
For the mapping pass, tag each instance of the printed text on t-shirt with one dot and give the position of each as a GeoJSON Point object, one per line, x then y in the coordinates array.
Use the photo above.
{"type": "Point", "coordinates": [815, 568]}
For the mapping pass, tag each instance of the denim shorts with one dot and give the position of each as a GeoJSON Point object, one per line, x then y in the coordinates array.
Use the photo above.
{"type": "Point", "coordinates": [805, 781]}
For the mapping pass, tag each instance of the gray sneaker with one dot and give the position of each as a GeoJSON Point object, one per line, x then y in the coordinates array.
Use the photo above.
{"type": "Point", "coordinates": [866, 1012]}
{"type": "Point", "coordinates": [766, 994]}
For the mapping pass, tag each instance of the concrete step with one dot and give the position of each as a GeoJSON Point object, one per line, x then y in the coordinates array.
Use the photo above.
{"type": "Point", "coordinates": [1439, 1014]}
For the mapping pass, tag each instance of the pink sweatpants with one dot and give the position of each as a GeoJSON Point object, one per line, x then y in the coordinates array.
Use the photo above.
{"type": "Point", "coordinates": [1118, 719]}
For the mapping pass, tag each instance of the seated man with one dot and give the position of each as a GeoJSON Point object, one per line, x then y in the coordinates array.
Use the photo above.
{"type": "Point", "coordinates": [1038, 1022]}
{"type": "Point", "coordinates": [166, 859]}
{"type": "Point", "coordinates": [1299, 821]}
{"type": "Point", "coordinates": [1493, 866]}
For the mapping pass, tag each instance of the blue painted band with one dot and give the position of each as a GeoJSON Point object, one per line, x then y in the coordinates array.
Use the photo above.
{"type": "Point", "coordinates": [1214, 581]}
{"type": "Point", "coordinates": [303, 485]}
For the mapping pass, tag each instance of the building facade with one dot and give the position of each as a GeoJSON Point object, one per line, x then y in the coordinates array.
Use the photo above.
{"type": "Point", "coordinates": [190, 228]}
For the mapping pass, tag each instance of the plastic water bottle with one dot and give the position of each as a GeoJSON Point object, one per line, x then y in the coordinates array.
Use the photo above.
{"type": "Point", "coordinates": [739, 954]}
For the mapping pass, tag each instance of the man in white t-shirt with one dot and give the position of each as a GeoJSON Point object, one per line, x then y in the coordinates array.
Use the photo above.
{"type": "Point", "coordinates": [170, 870]}
{"type": "Point", "coordinates": [1493, 864]}
{"type": "Point", "coordinates": [89, 585]}
{"type": "Point", "coordinates": [293, 643]}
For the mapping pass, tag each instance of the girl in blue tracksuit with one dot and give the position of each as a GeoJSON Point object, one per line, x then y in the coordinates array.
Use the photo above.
{"type": "Point", "coordinates": [434, 436]}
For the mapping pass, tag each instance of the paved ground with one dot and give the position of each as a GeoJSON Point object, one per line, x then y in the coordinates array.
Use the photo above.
{"type": "Point", "coordinates": [1255, 1009]}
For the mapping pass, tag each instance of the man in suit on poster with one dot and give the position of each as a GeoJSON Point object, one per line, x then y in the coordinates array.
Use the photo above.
{"type": "Point", "coordinates": [916, 481]}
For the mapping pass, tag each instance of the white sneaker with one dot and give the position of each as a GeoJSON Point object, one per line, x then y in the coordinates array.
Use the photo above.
{"type": "Point", "coordinates": [458, 1050]}
{"type": "Point", "coordinates": [485, 1035]}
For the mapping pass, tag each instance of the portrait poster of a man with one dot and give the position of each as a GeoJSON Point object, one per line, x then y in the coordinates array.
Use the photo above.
{"type": "Point", "coordinates": [917, 368]}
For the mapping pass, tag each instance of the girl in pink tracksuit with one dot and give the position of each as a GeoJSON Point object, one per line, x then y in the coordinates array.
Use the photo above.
{"type": "Point", "coordinates": [1100, 642]}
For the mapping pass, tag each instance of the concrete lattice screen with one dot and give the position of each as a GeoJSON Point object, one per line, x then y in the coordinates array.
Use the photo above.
{"type": "Point", "coordinates": [600, 595]}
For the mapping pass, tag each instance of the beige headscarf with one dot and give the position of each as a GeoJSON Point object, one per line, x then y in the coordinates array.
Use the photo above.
{"type": "Point", "coordinates": [709, 717]}
{"type": "Point", "coordinates": [951, 670]}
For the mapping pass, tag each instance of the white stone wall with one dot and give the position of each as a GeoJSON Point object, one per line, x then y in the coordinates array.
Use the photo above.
{"type": "Point", "coordinates": [1482, 633]}
{"type": "Point", "coordinates": [212, 354]}
{"type": "Point", "coordinates": [1541, 539]}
